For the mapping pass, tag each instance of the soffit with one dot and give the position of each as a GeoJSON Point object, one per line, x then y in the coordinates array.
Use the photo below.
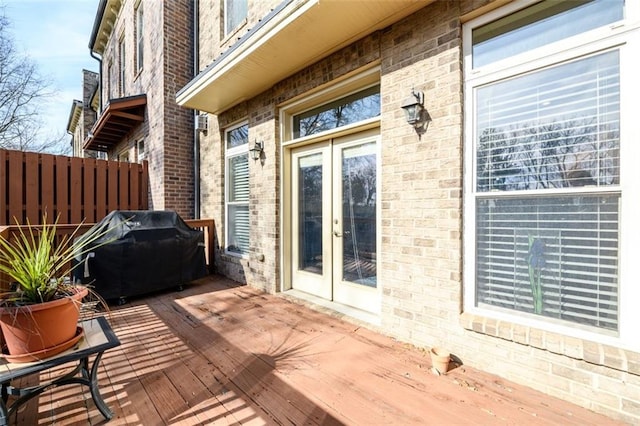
{"type": "Point", "coordinates": [74, 116]}
{"type": "Point", "coordinates": [293, 36]}
{"type": "Point", "coordinates": [103, 24]}
{"type": "Point", "coordinates": [118, 118]}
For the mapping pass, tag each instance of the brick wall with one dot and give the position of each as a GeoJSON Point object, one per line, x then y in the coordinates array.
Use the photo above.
{"type": "Point", "coordinates": [421, 256]}
{"type": "Point", "coordinates": [422, 177]}
{"type": "Point", "coordinates": [168, 129]}
{"type": "Point", "coordinates": [177, 121]}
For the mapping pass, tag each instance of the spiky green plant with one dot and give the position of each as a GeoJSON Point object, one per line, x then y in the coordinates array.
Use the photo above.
{"type": "Point", "coordinates": [39, 265]}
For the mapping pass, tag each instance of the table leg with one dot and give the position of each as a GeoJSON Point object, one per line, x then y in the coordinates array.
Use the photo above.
{"type": "Point", "coordinates": [80, 375]}
{"type": "Point", "coordinates": [95, 390]}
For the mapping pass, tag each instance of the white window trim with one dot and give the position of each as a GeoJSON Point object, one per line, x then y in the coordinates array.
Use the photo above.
{"type": "Point", "coordinates": [352, 83]}
{"type": "Point", "coordinates": [625, 36]}
{"type": "Point", "coordinates": [228, 154]}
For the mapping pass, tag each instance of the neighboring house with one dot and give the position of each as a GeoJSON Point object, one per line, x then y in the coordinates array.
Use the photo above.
{"type": "Point", "coordinates": [494, 228]}
{"type": "Point", "coordinates": [145, 54]}
{"type": "Point", "coordinates": [83, 116]}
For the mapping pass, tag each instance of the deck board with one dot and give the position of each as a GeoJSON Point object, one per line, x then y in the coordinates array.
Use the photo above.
{"type": "Point", "coordinates": [218, 353]}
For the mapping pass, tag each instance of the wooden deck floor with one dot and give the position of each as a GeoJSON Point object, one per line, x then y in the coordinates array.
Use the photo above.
{"type": "Point", "coordinates": [216, 353]}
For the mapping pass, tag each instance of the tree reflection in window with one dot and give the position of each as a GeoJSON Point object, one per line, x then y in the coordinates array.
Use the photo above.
{"type": "Point", "coordinates": [555, 128]}
{"type": "Point", "coordinates": [348, 110]}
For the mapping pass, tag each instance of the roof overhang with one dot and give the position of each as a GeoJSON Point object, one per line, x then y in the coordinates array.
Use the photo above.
{"type": "Point", "coordinates": [291, 37]}
{"type": "Point", "coordinates": [74, 116]}
{"type": "Point", "coordinates": [103, 23]}
{"type": "Point", "coordinates": [118, 118]}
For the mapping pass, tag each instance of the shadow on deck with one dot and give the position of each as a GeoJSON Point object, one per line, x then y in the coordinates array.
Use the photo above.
{"type": "Point", "coordinates": [218, 353]}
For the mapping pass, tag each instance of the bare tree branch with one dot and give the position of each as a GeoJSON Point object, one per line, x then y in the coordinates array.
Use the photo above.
{"type": "Point", "coordinates": [22, 94]}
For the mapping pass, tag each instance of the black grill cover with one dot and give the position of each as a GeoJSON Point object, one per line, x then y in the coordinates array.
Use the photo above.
{"type": "Point", "coordinates": [145, 251]}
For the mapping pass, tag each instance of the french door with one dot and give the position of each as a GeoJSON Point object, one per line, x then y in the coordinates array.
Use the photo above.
{"type": "Point", "coordinates": [334, 220]}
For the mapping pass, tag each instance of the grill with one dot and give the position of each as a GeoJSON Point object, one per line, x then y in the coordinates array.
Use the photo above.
{"type": "Point", "coordinates": [141, 252]}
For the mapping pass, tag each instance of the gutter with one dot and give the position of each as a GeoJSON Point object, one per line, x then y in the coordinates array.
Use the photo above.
{"type": "Point", "coordinates": [196, 132]}
{"type": "Point", "coordinates": [99, 59]}
{"type": "Point", "coordinates": [92, 41]}
{"type": "Point", "coordinates": [96, 23]}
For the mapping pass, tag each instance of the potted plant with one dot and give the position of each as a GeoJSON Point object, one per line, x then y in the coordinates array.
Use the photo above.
{"type": "Point", "coordinates": [39, 314]}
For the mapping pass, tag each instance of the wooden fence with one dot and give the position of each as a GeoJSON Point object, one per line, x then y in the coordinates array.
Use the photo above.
{"type": "Point", "coordinates": [71, 188]}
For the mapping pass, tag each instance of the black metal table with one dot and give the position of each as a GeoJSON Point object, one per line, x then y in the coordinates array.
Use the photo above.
{"type": "Point", "coordinates": [98, 337]}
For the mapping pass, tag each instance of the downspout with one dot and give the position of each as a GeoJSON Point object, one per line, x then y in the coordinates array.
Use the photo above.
{"type": "Point", "coordinates": [196, 132]}
{"type": "Point", "coordinates": [99, 59]}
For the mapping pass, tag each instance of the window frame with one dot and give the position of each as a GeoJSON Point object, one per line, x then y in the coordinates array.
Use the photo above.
{"type": "Point", "coordinates": [108, 84]}
{"type": "Point", "coordinates": [623, 36]}
{"type": "Point", "coordinates": [122, 65]}
{"type": "Point", "coordinates": [355, 82]}
{"type": "Point", "coordinates": [229, 154]}
{"type": "Point", "coordinates": [124, 156]}
{"type": "Point", "coordinates": [226, 31]}
{"type": "Point", "coordinates": [139, 36]}
{"type": "Point", "coordinates": [141, 153]}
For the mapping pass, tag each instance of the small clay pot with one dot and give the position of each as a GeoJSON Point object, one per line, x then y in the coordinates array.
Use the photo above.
{"type": "Point", "coordinates": [440, 359]}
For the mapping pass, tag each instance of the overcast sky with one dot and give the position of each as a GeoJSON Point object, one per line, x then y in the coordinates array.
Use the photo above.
{"type": "Point", "coordinates": [55, 35]}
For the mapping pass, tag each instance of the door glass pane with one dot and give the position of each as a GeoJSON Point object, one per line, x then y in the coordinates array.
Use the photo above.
{"type": "Point", "coordinates": [359, 214]}
{"type": "Point", "coordinates": [310, 213]}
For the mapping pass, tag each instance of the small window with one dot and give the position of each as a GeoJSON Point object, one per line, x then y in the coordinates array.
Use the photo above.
{"type": "Point", "coordinates": [139, 38]}
{"type": "Point", "coordinates": [121, 63]}
{"type": "Point", "coordinates": [538, 25]}
{"type": "Point", "coordinates": [237, 190]}
{"type": "Point", "coordinates": [347, 110]}
{"type": "Point", "coordinates": [107, 89]}
{"type": "Point", "coordinates": [235, 12]}
{"type": "Point", "coordinates": [142, 154]}
{"type": "Point", "coordinates": [123, 156]}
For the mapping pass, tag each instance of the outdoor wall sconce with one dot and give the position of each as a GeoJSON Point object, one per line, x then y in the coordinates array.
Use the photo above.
{"type": "Point", "coordinates": [257, 150]}
{"type": "Point", "coordinates": [413, 108]}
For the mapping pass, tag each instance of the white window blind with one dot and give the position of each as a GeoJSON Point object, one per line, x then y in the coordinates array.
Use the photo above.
{"type": "Point", "coordinates": [566, 245]}
{"type": "Point", "coordinates": [237, 193]}
{"type": "Point", "coordinates": [238, 204]}
{"type": "Point", "coordinates": [551, 129]}
{"type": "Point", "coordinates": [557, 129]}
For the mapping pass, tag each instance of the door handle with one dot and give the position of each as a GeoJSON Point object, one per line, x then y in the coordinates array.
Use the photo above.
{"type": "Point", "coordinates": [337, 234]}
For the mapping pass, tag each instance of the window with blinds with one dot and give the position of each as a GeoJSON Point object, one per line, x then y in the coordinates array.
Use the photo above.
{"type": "Point", "coordinates": [546, 182]}
{"type": "Point", "coordinates": [237, 190]}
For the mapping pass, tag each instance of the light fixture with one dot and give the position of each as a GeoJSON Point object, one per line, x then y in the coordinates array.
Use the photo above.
{"type": "Point", "coordinates": [257, 150]}
{"type": "Point", "coordinates": [413, 108]}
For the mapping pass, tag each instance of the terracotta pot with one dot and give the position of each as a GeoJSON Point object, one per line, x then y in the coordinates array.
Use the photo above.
{"type": "Point", "coordinates": [440, 359]}
{"type": "Point", "coordinates": [43, 328]}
